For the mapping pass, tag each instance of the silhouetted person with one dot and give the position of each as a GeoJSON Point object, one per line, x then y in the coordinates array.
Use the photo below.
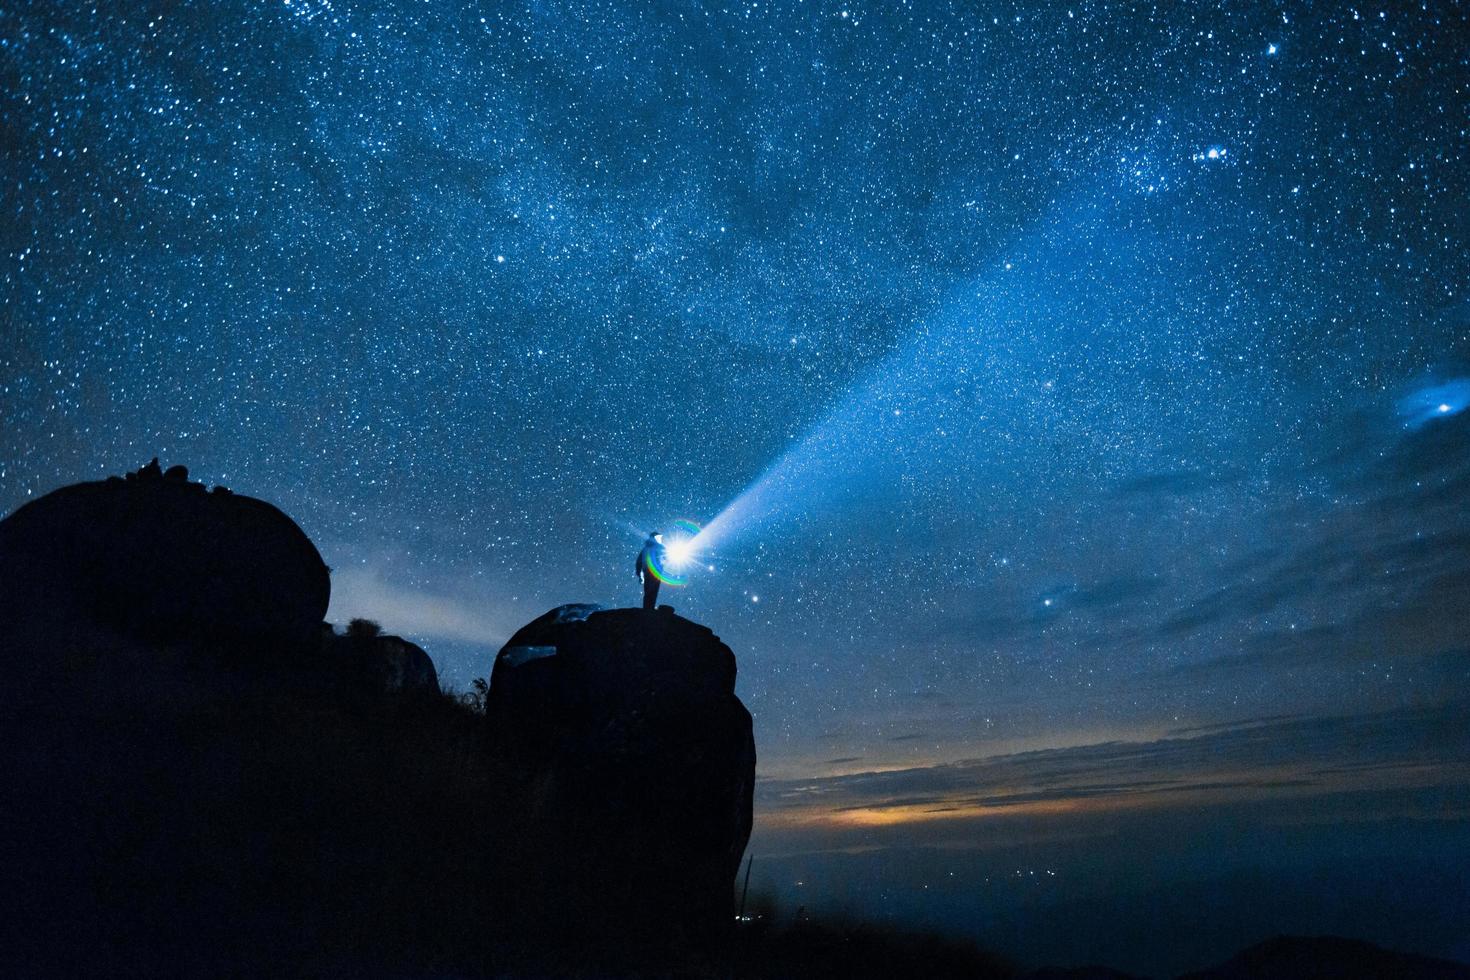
{"type": "Point", "coordinates": [653, 556]}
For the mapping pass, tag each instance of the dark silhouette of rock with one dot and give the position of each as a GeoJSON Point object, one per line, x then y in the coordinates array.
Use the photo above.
{"type": "Point", "coordinates": [157, 558]}
{"type": "Point", "coordinates": [403, 667]}
{"type": "Point", "coordinates": [1079, 973]}
{"type": "Point", "coordinates": [818, 949]}
{"type": "Point", "coordinates": [1322, 957]}
{"type": "Point", "coordinates": [630, 767]}
{"type": "Point", "coordinates": [380, 663]}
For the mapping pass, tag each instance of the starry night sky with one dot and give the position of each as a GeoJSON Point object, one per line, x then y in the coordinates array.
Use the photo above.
{"type": "Point", "coordinates": [1049, 376]}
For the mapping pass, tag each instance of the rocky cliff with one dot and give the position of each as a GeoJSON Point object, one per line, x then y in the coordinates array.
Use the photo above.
{"type": "Point", "coordinates": [632, 764]}
{"type": "Point", "coordinates": [205, 779]}
{"type": "Point", "coordinates": [158, 557]}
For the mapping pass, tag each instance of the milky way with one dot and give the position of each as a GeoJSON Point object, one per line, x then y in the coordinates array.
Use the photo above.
{"type": "Point", "coordinates": [1074, 372]}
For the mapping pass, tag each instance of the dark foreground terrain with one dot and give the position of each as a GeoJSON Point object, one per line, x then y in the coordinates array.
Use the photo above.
{"type": "Point", "coordinates": [203, 779]}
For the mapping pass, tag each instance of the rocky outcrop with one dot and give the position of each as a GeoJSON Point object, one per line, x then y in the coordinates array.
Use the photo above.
{"type": "Point", "coordinates": [631, 764]}
{"type": "Point", "coordinates": [377, 663]}
{"type": "Point", "coordinates": [209, 779]}
{"type": "Point", "coordinates": [160, 558]}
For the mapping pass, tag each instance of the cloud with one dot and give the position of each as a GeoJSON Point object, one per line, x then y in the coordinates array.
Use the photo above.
{"type": "Point", "coordinates": [1226, 726]}
{"type": "Point", "coordinates": [1413, 746]}
{"type": "Point", "coordinates": [417, 613]}
{"type": "Point", "coordinates": [1393, 550]}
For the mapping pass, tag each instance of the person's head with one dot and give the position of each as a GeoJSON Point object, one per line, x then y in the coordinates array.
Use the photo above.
{"type": "Point", "coordinates": [656, 536]}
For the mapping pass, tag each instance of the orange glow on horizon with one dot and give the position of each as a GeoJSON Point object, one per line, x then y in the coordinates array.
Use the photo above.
{"type": "Point", "coordinates": [928, 812]}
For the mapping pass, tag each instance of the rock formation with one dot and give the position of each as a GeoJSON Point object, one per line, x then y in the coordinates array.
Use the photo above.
{"type": "Point", "coordinates": [631, 767]}
{"type": "Point", "coordinates": [206, 778]}
{"type": "Point", "coordinates": [159, 558]}
{"type": "Point", "coordinates": [402, 667]}
{"type": "Point", "coordinates": [379, 663]}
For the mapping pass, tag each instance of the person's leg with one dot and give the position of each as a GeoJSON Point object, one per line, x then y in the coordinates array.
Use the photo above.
{"type": "Point", "coordinates": [650, 590]}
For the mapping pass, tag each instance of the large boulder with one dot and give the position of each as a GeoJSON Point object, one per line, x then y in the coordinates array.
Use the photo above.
{"type": "Point", "coordinates": [160, 558]}
{"type": "Point", "coordinates": [631, 764]}
{"type": "Point", "coordinates": [401, 667]}
{"type": "Point", "coordinates": [378, 663]}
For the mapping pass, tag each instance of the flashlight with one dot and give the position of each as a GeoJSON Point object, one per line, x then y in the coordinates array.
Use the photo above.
{"type": "Point", "coordinates": [680, 552]}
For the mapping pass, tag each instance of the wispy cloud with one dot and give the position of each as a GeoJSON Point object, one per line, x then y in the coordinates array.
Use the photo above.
{"type": "Point", "coordinates": [415, 612]}
{"type": "Point", "coordinates": [1407, 747]}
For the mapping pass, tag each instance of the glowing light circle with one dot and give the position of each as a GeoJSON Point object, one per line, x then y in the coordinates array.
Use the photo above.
{"type": "Point", "coordinates": [677, 552]}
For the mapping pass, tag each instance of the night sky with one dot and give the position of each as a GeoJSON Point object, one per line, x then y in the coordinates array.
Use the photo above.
{"type": "Point", "coordinates": [1074, 395]}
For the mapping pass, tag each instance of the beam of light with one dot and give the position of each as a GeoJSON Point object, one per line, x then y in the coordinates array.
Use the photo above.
{"type": "Point", "coordinates": [1029, 383]}
{"type": "Point", "coordinates": [970, 377]}
{"type": "Point", "coordinates": [841, 456]}
{"type": "Point", "coordinates": [1425, 405]}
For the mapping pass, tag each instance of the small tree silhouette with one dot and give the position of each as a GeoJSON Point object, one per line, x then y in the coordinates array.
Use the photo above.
{"type": "Point", "coordinates": [476, 696]}
{"type": "Point", "coordinates": [363, 629]}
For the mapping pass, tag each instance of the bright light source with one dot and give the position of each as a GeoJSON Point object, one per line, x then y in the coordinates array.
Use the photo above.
{"type": "Point", "coordinates": [679, 552]}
